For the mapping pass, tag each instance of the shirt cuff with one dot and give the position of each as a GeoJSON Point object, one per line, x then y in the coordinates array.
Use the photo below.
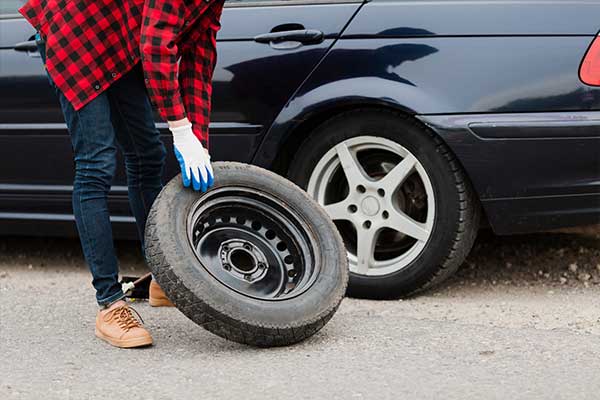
{"type": "Point", "coordinates": [173, 112]}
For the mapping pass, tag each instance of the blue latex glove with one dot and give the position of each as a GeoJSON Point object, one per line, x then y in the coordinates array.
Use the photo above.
{"type": "Point", "coordinates": [193, 159]}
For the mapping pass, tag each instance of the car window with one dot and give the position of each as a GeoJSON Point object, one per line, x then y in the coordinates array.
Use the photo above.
{"type": "Point", "coordinates": [10, 7]}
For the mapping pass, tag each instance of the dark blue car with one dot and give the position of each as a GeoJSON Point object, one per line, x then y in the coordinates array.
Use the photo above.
{"type": "Point", "coordinates": [413, 122]}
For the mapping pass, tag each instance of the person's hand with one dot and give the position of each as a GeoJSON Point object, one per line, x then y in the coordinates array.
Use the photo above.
{"type": "Point", "coordinates": [193, 159]}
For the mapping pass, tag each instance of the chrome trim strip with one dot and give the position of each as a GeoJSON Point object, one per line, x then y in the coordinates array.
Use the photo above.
{"type": "Point", "coordinates": [58, 217]}
{"type": "Point", "coordinates": [15, 187]}
{"type": "Point", "coordinates": [159, 125]}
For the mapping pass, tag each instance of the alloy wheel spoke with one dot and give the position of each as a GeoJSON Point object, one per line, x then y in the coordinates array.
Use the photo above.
{"type": "Point", "coordinates": [338, 211]}
{"type": "Point", "coordinates": [402, 223]}
{"type": "Point", "coordinates": [350, 165]}
{"type": "Point", "coordinates": [398, 174]}
{"type": "Point", "coordinates": [365, 249]}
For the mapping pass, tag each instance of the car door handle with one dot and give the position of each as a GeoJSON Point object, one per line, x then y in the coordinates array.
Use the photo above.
{"type": "Point", "coordinates": [29, 46]}
{"type": "Point", "coordinates": [304, 36]}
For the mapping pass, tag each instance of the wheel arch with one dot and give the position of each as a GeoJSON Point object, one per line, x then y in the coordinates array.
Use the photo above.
{"type": "Point", "coordinates": [299, 129]}
{"type": "Point", "coordinates": [319, 99]}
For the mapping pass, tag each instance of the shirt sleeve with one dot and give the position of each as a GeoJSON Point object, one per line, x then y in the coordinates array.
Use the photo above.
{"type": "Point", "coordinates": [162, 21]}
{"type": "Point", "coordinates": [198, 60]}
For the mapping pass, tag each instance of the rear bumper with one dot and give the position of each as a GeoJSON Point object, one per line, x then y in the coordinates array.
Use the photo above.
{"type": "Point", "coordinates": [532, 172]}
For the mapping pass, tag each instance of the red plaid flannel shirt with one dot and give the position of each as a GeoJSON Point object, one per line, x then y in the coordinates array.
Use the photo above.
{"type": "Point", "coordinates": [92, 43]}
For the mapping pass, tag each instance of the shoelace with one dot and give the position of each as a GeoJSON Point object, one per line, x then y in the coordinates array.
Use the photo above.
{"type": "Point", "coordinates": [126, 319]}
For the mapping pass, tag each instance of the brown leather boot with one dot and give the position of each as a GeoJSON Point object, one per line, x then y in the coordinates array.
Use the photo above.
{"type": "Point", "coordinates": [157, 297]}
{"type": "Point", "coordinates": [118, 326]}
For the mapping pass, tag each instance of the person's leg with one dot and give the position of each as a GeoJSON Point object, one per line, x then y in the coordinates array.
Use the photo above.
{"type": "Point", "coordinates": [93, 142]}
{"type": "Point", "coordinates": [144, 152]}
{"type": "Point", "coordinates": [140, 142]}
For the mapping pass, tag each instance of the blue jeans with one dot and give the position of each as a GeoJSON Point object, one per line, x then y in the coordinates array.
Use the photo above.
{"type": "Point", "coordinates": [121, 116]}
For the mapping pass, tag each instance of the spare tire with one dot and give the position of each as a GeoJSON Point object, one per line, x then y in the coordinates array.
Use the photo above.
{"type": "Point", "coordinates": [254, 260]}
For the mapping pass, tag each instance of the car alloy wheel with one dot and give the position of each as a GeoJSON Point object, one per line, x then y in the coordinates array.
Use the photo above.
{"type": "Point", "coordinates": [381, 198]}
{"type": "Point", "coordinates": [401, 201]}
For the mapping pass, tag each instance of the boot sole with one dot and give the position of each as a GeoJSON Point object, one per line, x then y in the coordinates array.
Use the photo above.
{"type": "Point", "coordinates": [160, 303]}
{"type": "Point", "coordinates": [125, 343]}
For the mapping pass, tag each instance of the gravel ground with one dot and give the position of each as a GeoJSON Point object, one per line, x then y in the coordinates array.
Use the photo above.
{"type": "Point", "coordinates": [520, 320]}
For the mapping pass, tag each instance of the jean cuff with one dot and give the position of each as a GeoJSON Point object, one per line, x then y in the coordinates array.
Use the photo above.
{"type": "Point", "coordinates": [112, 299]}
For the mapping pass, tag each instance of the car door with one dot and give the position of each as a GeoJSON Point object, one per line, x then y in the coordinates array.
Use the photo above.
{"type": "Point", "coordinates": [266, 49]}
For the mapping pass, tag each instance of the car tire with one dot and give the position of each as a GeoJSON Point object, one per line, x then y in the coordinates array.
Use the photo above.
{"type": "Point", "coordinates": [455, 221]}
{"type": "Point", "coordinates": [191, 238]}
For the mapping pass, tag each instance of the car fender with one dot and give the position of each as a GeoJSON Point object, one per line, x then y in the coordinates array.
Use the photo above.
{"type": "Point", "coordinates": [315, 99]}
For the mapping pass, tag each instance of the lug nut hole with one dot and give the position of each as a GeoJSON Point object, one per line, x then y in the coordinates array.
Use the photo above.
{"type": "Point", "coordinates": [381, 192]}
{"type": "Point", "coordinates": [361, 189]}
{"type": "Point", "coordinates": [385, 215]}
{"type": "Point", "coordinates": [367, 224]}
{"type": "Point", "coordinates": [270, 234]}
{"type": "Point", "coordinates": [281, 246]}
{"type": "Point", "coordinates": [352, 208]}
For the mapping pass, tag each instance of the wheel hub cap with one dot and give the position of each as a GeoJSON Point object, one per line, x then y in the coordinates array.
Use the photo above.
{"type": "Point", "coordinates": [370, 206]}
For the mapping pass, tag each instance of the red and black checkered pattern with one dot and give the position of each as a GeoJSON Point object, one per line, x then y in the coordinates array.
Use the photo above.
{"type": "Point", "coordinates": [89, 44]}
{"type": "Point", "coordinates": [185, 30]}
{"type": "Point", "coordinates": [92, 43]}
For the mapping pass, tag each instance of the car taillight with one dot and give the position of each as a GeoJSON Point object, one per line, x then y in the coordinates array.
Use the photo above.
{"type": "Point", "coordinates": [589, 73]}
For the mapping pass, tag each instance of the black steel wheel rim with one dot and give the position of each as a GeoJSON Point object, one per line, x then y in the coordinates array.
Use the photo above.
{"type": "Point", "coordinates": [253, 243]}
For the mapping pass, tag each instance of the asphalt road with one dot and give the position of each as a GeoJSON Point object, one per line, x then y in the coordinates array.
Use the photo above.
{"type": "Point", "coordinates": [519, 321]}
